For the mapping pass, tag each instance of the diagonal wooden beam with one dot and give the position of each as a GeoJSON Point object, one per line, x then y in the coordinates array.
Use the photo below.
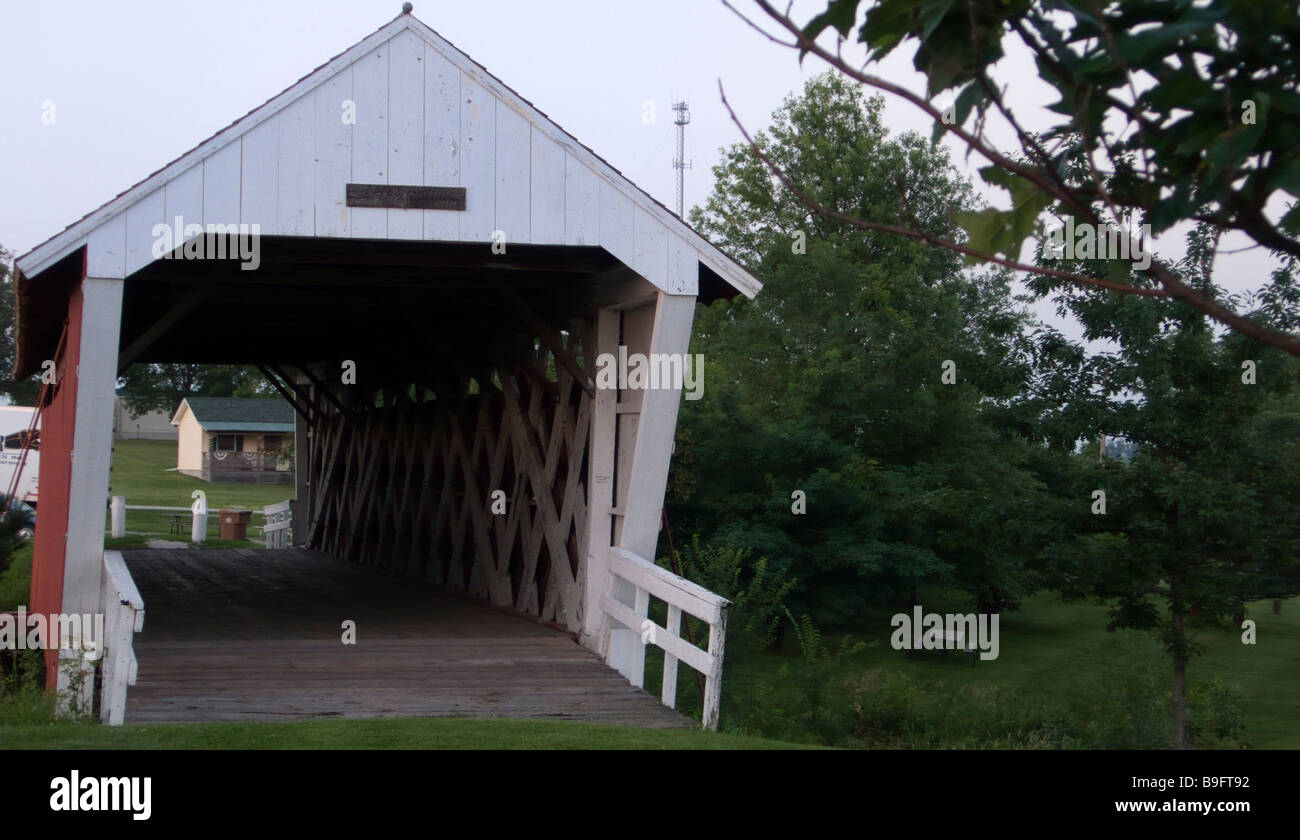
{"type": "Point", "coordinates": [158, 328]}
{"type": "Point", "coordinates": [304, 394]}
{"type": "Point", "coordinates": [320, 386]}
{"type": "Point", "coordinates": [289, 397]}
{"type": "Point", "coordinates": [551, 339]}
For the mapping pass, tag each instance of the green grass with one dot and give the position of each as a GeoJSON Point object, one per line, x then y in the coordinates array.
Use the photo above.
{"type": "Point", "coordinates": [141, 474]}
{"type": "Point", "coordinates": [144, 472]}
{"type": "Point", "coordinates": [1049, 645]}
{"type": "Point", "coordinates": [375, 733]}
{"type": "Point", "coordinates": [133, 541]}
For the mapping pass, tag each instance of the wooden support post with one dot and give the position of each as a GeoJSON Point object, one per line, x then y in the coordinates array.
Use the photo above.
{"type": "Point", "coordinates": [600, 492]}
{"type": "Point", "coordinates": [302, 502]}
{"type": "Point", "coordinates": [96, 372]}
{"type": "Point", "coordinates": [642, 501]}
{"type": "Point", "coordinates": [654, 438]}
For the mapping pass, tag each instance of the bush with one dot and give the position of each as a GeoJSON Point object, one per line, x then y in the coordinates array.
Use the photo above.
{"type": "Point", "coordinates": [23, 698]}
{"type": "Point", "coordinates": [1130, 707]}
{"type": "Point", "coordinates": [16, 579]}
{"type": "Point", "coordinates": [756, 592]}
{"type": "Point", "coordinates": [1217, 714]}
{"type": "Point", "coordinates": [809, 701]}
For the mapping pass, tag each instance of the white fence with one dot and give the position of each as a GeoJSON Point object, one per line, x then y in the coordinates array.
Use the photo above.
{"type": "Point", "coordinates": [278, 522]}
{"type": "Point", "coordinates": [123, 610]}
{"type": "Point", "coordinates": [195, 518]}
{"type": "Point", "coordinates": [680, 595]}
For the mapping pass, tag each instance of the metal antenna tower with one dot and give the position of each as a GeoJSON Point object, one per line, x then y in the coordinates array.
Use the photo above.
{"type": "Point", "coordinates": [679, 162]}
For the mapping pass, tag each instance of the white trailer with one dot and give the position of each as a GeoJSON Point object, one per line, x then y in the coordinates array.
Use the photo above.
{"type": "Point", "coordinates": [15, 423]}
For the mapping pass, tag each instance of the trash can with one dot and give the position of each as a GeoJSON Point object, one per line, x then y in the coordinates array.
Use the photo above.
{"type": "Point", "coordinates": [234, 524]}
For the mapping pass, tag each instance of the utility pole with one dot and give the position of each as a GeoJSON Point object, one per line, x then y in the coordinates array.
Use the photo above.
{"type": "Point", "coordinates": [679, 162]}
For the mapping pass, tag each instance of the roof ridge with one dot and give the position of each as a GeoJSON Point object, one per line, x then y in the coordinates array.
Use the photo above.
{"type": "Point", "coordinates": [208, 139]}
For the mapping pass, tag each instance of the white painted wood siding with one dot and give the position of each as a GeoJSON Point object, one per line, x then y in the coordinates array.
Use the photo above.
{"type": "Point", "coordinates": [424, 115]}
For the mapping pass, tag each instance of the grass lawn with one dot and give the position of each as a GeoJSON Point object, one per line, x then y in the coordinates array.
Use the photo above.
{"type": "Point", "coordinates": [375, 733]}
{"type": "Point", "coordinates": [1049, 644]}
{"type": "Point", "coordinates": [141, 473]}
{"type": "Point", "coordinates": [144, 472]}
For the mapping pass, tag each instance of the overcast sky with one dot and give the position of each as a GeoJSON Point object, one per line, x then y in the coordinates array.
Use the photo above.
{"type": "Point", "coordinates": [136, 83]}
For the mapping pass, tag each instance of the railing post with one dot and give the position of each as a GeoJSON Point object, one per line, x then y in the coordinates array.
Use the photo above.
{"type": "Point", "coordinates": [199, 520]}
{"type": "Point", "coordinates": [641, 606]}
{"type": "Point", "coordinates": [123, 612]}
{"type": "Point", "coordinates": [713, 680]}
{"type": "Point", "coordinates": [670, 661]}
{"type": "Point", "coordinates": [118, 508]}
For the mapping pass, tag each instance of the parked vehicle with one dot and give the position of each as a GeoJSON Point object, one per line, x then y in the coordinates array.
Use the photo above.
{"type": "Point", "coordinates": [15, 430]}
{"type": "Point", "coordinates": [27, 515]}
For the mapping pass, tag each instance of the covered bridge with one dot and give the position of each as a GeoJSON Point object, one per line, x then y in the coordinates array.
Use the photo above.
{"type": "Point", "coordinates": [437, 266]}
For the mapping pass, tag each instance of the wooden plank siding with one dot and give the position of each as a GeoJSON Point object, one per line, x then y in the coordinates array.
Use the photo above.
{"type": "Point", "coordinates": [424, 116]}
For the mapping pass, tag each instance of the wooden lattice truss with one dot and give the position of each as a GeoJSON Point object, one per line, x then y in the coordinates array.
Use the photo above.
{"type": "Point", "coordinates": [406, 477]}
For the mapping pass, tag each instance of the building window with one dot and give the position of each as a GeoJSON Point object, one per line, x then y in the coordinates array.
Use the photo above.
{"type": "Point", "coordinates": [271, 443]}
{"type": "Point", "coordinates": [227, 443]}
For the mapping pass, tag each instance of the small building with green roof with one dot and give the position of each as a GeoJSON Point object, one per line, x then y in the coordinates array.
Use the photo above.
{"type": "Point", "coordinates": [235, 439]}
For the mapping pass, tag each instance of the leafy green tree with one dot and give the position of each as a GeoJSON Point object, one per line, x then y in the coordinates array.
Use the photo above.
{"type": "Point", "coordinates": [1168, 111]}
{"type": "Point", "coordinates": [161, 387]}
{"type": "Point", "coordinates": [1200, 520]}
{"type": "Point", "coordinates": [873, 374]}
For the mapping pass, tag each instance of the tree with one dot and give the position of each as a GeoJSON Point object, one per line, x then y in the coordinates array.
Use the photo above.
{"type": "Point", "coordinates": [26, 391]}
{"type": "Point", "coordinates": [161, 387]}
{"type": "Point", "coordinates": [1200, 520]}
{"type": "Point", "coordinates": [1169, 112]}
{"type": "Point", "coordinates": [873, 374]}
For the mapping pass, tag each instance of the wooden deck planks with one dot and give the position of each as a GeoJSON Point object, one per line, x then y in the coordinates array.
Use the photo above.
{"type": "Point", "coordinates": [233, 637]}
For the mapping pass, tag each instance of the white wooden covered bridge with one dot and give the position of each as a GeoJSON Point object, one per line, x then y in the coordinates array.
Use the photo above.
{"type": "Point", "coordinates": [438, 267]}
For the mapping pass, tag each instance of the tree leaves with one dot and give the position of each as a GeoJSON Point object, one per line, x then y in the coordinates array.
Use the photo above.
{"type": "Point", "coordinates": [1004, 231]}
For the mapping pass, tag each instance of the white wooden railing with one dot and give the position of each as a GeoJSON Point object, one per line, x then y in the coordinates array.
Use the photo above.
{"type": "Point", "coordinates": [123, 610]}
{"type": "Point", "coordinates": [275, 531]}
{"type": "Point", "coordinates": [646, 579]}
{"type": "Point", "coordinates": [197, 518]}
{"type": "Point", "coordinates": [278, 520]}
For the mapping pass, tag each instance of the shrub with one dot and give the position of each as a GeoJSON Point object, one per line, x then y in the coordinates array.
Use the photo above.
{"type": "Point", "coordinates": [16, 579]}
{"type": "Point", "coordinates": [756, 592]}
{"type": "Point", "coordinates": [23, 699]}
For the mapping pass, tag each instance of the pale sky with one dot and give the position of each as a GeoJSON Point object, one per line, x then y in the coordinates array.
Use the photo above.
{"type": "Point", "coordinates": [136, 83]}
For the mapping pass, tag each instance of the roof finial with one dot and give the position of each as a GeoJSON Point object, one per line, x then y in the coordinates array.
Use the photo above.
{"type": "Point", "coordinates": [407, 8]}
